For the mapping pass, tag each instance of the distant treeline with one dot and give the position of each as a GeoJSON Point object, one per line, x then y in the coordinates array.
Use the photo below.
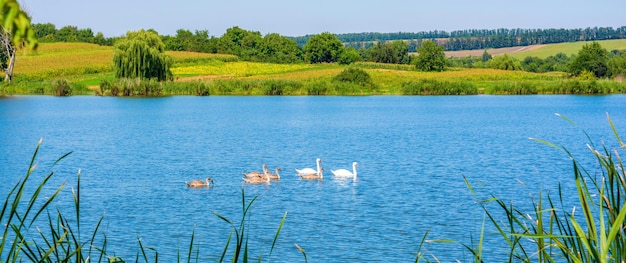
{"type": "Point", "coordinates": [470, 39]}
{"type": "Point", "coordinates": [480, 38]}
{"type": "Point", "coordinates": [49, 33]}
{"type": "Point", "coordinates": [390, 48]}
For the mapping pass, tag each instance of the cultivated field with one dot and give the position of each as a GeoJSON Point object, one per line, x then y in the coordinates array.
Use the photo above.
{"type": "Point", "coordinates": [541, 51]}
{"type": "Point", "coordinates": [87, 65]}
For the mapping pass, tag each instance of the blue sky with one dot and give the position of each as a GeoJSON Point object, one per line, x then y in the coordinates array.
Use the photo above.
{"type": "Point", "coordinates": [297, 18]}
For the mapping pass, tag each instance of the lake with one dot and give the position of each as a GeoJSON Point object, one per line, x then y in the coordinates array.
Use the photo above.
{"type": "Point", "coordinates": [135, 155]}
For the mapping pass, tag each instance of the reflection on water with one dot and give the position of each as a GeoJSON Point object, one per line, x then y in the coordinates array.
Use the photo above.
{"type": "Point", "coordinates": [136, 154]}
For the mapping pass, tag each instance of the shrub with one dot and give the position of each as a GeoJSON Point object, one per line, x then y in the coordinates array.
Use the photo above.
{"type": "Point", "coordinates": [106, 88]}
{"type": "Point", "coordinates": [512, 88]}
{"type": "Point", "coordinates": [61, 87]}
{"type": "Point", "coordinates": [279, 87]}
{"type": "Point", "coordinates": [355, 76]}
{"type": "Point", "coordinates": [504, 62]}
{"type": "Point", "coordinates": [437, 87]}
{"type": "Point", "coordinates": [319, 88]}
{"type": "Point", "coordinates": [131, 87]}
{"type": "Point", "coordinates": [349, 56]}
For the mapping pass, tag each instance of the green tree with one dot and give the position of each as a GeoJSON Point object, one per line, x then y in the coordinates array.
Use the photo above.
{"type": "Point", "coordinates": [85, 35]}
{"type": "Point", "coordinates": [16, 23]}
{"type": "Point", "coordinates": [533, 64]}
{"type": "Point", "coordinates": [230, 42]}
{"type": "Point", "coordinates": [279, 49]}
{"type": "Point", "coordinates": [67, 34]}
{"type": "Point", "coordinates": [141, 54]}
{"type": "Point", "coordinates": [593, 58]}
{"type": "Point", "coordinates": [349, 56]}
{"type": "Point", "coordinates": [617, 65]}
{"type": "Point", "coordinates": [323, 48]}
{"type": "Point", "coordinates": [396, 52]}
{"type": "Point", "coordinates": [504, 62]}
{"type": "Point", "coordinates": [15, 31]}
{"type": "Point", "coordinates": [250, 45]}
{"type": "Point", "coordinates": [486, 56]}
{"type": "Point", "coordinates": [430, 57]}
{"type": "Point", "coordinates": [7, 56]}
{"type": "Point", "coordinates": [401, 51]}
{"type": "Point", "coordinates": [558, 62]}
{"type": "Point", "coordinates": [45, 32]}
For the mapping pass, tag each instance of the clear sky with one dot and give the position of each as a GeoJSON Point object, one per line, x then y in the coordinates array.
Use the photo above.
{"type": "Point", "coordinates": [297, 18]}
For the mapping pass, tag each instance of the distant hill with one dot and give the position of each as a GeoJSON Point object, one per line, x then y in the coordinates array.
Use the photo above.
{"type": "Point", "coordinates": [541, 51]}
{"type": "Point", "coordinates": [480, 39]}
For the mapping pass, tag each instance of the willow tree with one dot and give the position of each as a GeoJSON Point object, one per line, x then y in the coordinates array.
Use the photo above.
{"type": "Point", "coordinates": [141, 54]}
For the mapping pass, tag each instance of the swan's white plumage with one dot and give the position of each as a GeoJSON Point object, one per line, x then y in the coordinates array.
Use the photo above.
{"type": "Point", "coordinates": [310, 170]}
{"type": "Point", "coordinates": [345, 173]}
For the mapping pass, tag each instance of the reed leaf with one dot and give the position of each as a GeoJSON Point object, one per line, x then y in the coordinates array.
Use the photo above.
{"type": "Point", "coordinates": [280, 226]}
{"type": "Point", "coordinates": [193, 234]}
{"type": "Point", "coordinates": [303, 253]}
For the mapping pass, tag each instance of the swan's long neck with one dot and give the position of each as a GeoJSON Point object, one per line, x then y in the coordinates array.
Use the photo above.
{"type": "Point", "coordinates": [354, 170]}
{"type": "Point", "coordinates": [277, 175]}
{"type": "Point", "coordinates": [318, 167]}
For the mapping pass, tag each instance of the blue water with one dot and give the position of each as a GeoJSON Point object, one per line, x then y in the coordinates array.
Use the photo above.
{"type": "Point", "coordinates": [413, 152]}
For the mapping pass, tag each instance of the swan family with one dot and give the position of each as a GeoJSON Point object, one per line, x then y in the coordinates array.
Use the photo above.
{"type": "Point", "coordinates": [265, 177]}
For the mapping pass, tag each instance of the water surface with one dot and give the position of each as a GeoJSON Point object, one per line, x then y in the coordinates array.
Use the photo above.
{"type": "Point", "coordinates": [413, 152]}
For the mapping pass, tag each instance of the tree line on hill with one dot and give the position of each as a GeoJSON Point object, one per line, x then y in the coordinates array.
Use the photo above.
{"type": "Point", "coordinates": [592, 58]}
{"type": "Point", "coordinates": [329, 48]}
{"type": "Point", "coordinates": [472, 39]}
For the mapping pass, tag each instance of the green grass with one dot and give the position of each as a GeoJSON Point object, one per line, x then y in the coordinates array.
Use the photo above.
{"type": "Point", "coordinates": [569, 48]}
{"type": "Point", "coordinates": [85, 66]}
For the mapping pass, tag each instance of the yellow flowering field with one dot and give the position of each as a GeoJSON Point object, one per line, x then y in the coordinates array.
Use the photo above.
{"type": "Point", "coordinates": [185, 55]}
{"type": "Point", "coordinates": [237, 69]}
{"type": "Point", "coordinates": [59, 56]}
{"type": "Point", "coordinates": [65, 59]}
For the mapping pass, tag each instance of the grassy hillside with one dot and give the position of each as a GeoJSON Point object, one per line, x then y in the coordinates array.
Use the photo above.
{"type": "Point", "coordinates": [86, 62]}
{"type": "Point", "coordinates": [541, 51]}
{"type": "Point", "coordinates": [86, 65]}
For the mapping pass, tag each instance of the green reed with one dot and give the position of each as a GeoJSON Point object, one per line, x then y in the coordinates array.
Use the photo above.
{"type": "Point", "coordinates": [131, 87]}
{"type": "Point", "coordinates": [63, 238]}
{"type": "Point", "coordinates": [438, 87]}
{"type": "Point", "coordinates": [241, 249]}
{"type": "Point", "coordinates": [555, 232]}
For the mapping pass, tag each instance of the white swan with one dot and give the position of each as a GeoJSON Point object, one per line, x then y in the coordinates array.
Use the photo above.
{"type": "Point", "coordinates": [310, 170]}
{"type": "Point", "coordinates": [343, 173]}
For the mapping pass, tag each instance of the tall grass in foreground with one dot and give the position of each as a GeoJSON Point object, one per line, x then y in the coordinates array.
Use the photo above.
{"type": "Point", "coordinates": [62, 240]}
{"type": "Point", "coordinates": [555, 233]}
